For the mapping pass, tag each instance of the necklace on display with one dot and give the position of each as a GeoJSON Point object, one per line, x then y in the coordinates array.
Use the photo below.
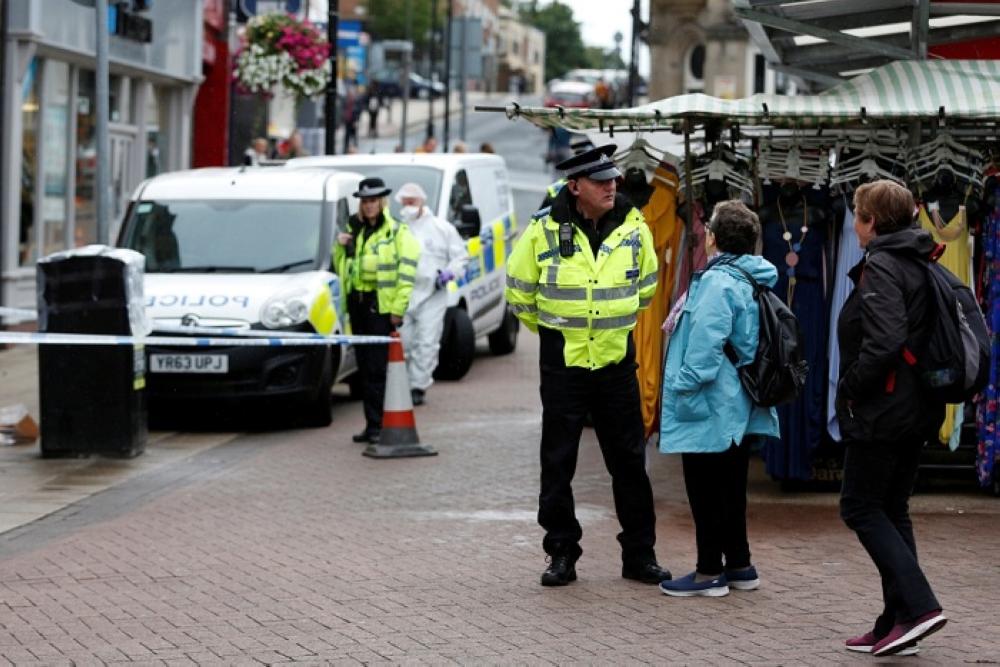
{"type": "Point", "coordinates": [792, 258]}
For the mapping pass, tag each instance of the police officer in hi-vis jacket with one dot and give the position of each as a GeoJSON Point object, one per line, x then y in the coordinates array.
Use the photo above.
{"type": "Point", "coordinates": [578, 276]}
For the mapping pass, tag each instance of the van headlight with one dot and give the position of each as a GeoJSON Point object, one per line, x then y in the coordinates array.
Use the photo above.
{"type": "Point", "coordinates": [285, 309]}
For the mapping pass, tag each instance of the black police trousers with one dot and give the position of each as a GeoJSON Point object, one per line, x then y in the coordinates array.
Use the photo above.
{"type": "Point", "coordinates": [611, 396]}
{"type": "Point", "coordinates": [372, 359]}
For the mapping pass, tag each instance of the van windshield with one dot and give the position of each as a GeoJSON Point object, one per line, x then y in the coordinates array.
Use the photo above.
{"type": "Point", "coordinates": [396, 175]}
{"type": "Point", "coordinates": [226, 236]}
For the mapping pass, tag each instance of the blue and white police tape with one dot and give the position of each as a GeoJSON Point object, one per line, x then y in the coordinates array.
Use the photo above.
{"type": "Point", "coordinates": [29, 338]}
{"type": "Point", "coordinates": [20, 313]}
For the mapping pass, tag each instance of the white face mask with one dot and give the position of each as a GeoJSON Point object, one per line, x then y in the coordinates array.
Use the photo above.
{"type": "Point", "coordinates": [410, 213]}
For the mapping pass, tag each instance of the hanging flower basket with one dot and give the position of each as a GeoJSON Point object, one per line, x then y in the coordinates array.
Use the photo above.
{"type": "Point", "coordinates": [280, 49]}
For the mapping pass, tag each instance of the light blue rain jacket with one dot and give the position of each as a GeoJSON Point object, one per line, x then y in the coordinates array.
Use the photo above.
{"type": "Point", "coordinates": [705, 408]}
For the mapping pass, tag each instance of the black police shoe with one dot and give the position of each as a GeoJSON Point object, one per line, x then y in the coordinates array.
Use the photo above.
{"type": "Point", "coordinates": [368, 435]}
{"type": "Point", "coordinates": [561, 571]}
{"type": "Point", "coordinates": [418, 396]}
{"type": "Point", "coordinates": [646, 571]}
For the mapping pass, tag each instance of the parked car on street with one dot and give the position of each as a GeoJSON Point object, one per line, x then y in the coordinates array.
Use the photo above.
{"type": "Point", "coordinates": [472, 191]}
{"type": "Point", "coordinates": [390, 83]}
{"type": "Point", "coordinates": [570, 94]}
{"type": "Point", "coordinates": [245, 249]}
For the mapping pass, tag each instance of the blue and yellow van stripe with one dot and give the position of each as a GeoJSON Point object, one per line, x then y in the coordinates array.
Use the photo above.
{"type": "Point", "coordinates": [488, 251]}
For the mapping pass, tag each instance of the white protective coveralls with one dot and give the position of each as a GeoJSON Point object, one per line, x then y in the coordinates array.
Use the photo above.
{"type": "Point", "coordinates": [441, 250]}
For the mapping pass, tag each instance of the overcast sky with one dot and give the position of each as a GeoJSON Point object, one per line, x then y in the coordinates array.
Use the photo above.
{"type": "Point", "coordinates": [600, 19]}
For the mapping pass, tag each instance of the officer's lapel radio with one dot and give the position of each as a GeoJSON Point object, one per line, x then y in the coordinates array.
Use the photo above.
{"type": "Point", "coordinates": [566, 239]}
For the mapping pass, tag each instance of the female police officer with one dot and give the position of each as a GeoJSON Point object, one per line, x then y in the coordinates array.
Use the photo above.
{"type": "Point", "coordinates": [377, 260]}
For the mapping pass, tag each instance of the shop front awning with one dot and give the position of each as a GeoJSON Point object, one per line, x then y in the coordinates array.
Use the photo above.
{"type": "Point", "coordinates": [956, 90]}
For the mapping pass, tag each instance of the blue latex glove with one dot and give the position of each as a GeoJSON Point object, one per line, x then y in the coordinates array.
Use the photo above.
{"type": "Point", "coordinates": [445, 277]}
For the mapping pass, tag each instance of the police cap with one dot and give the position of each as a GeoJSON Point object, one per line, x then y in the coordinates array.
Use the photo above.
{"type": "Point", "coordinates": [595, 164]}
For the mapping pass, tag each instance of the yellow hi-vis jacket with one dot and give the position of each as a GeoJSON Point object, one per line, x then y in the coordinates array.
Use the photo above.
{"type": "Point", "coordinates": [385, 262]}
{"type": "Point", "coordinates": [593, 302]}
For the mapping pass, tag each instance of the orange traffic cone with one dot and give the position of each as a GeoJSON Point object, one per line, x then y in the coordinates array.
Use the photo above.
{"type": "Point", "coordinates": [399, 429]}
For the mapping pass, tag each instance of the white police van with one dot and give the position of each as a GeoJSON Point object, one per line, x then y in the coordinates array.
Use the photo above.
{"type": "Point", "coordinates": [472, 191]}
{"type": "Point", "coordinates": [245, 248]}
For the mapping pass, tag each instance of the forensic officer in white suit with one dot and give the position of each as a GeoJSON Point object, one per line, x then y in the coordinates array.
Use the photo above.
{"type": "Point", "coordinates": [443, 257]}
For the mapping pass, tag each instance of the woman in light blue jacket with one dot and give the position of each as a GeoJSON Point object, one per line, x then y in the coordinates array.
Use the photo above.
{"type": "Point", "coordinates": [707, 415]}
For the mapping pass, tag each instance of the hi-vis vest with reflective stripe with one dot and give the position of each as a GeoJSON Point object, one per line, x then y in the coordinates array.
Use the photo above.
{"type": "Point", "coordinates": [593, 302]}
{"type": "Point", "coordinates": [555, 187]}
{"type": "Point", "coordinates": [385, 262]}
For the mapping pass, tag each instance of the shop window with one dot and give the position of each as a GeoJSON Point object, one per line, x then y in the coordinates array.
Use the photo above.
{"type": "Point", "coordinates": [85, 204]}
{"type": "Point", "coordinates": [30, 104]}
{"type": "Point", "coordinates": [55, 154]}
{"type": "Point", "coordinates": [694, 70]}
{"type": "Point", "coordinates": [157, 139]}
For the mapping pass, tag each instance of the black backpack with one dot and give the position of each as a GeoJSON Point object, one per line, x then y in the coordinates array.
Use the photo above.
{"type": "Point", "coordinates": [953, 360]}
{"type": "Point", "coordinates": [778, 372]}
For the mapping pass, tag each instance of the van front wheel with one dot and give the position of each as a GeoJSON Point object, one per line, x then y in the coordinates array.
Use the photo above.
{"type": "Point", "coordinates": [458, 346]}
{"type": "Point", "coordinates": [504, 339]}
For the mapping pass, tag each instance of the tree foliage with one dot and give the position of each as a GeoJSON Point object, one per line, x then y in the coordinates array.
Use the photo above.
{"type": "Point", "coordinates": [564, 48]}
{"type": "Point", "coordinates": [387, 20]}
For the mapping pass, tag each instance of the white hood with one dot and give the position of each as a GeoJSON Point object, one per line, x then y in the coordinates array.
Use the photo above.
{"type": "Point", "coordinates": [221, 300]}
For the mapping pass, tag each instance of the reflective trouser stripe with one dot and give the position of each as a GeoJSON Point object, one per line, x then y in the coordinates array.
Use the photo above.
{"type": "Point", "coordinates": [403, 278]}
{"type": "Point", "coordinates": [408, 261]}
{"type": "Point", "coordinates": [385, 267]}
{"type": "Point", "coordinates": [383, 284]}
{"type": "Point", "coordinates": [643, 303]}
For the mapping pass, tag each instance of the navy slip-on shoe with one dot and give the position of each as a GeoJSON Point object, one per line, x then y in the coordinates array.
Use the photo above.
{"type": "Point", "coordinates": [687, 587]}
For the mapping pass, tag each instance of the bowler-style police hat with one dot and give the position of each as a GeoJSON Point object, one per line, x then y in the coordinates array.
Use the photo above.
{"type": "Point", "coordinates": [372, 187]}
{"type": "Point", "coordinates": [595, 164]}
{"type": "Point", "coordinates": [581, 145]}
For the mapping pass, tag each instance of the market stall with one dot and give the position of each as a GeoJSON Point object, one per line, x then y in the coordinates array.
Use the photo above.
{"type": "Point", "coordinates": [931, 125]}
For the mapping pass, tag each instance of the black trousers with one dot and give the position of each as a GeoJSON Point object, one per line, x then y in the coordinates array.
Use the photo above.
{"type": "Point", "coordinates": [372, 359]}
{"type": "Point", "coordinates": [717, 491]}
{"type": "Point", "coordinates": [611, 396]}
{"type": "Point", "coordinates": [874, 503]}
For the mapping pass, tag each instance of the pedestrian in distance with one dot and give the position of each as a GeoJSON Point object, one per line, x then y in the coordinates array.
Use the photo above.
{"type": "Point", "coordinates": [429, 146]}
{"type": "Point", "coordinates": [578, 277]}
{"type": "Point", "coordinates": [374, 103]}
{"type": "Point", "coordinates": [293, 147]}
{"type": "Point", "coordinates": [706, 414]}
{"type": "Point", "coordinates": [376, 259]}
{"type": "Point", "coordinates": [443, 257]}
{"type": "Point", "coordinates": [459, 147]}
{"type": "Point", "coordinates": [256, 153]}
{"type": "Point", "coordinates": [486, 147]}
{"type": "Point", "coordinates": [885, 415]}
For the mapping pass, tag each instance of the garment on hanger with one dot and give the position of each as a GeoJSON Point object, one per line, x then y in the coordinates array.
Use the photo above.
{"type": "Point", "coordinates": [660, 213]}
{"type": "Point", "coordinates": [957, 258]}
{"type": "Point", "coordinates": [849, 253]}
{"type": "Point", "coordinates": [987, 413]}
{"type": "Point", "coordinates": [798, 248]}
{"type": "Point", "coordinates": [693, 257]}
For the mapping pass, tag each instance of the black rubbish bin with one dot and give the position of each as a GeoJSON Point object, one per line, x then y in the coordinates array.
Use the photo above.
{"type": "Point", "coordinates": [92, 397]}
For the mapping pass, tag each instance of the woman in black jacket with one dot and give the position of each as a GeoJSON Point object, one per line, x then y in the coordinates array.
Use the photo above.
{"type": "Point", "coordinates": [884, 414]}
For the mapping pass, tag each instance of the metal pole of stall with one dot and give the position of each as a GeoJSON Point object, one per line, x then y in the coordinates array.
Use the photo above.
{"type": "Point", "coordinates": [101, 109]}
{"type": "Point", "coordinates": [688, 193]}
{"type": "Point", "coordinates": [407, 66]}
{"type": "Point", "coordinates": [633, 65]}
{"type": "Point", "coordinates": [447, 75]}
{"type": "Point", "coordinates": [330, 111]}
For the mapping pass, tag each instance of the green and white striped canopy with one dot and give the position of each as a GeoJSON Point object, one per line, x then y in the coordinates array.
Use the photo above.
{"type": "Point", "coordinates": [903, 90]}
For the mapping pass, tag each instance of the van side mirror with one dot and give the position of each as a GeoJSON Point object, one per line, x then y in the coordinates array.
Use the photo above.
{"type": "Point", "coordinates": [469, 223]}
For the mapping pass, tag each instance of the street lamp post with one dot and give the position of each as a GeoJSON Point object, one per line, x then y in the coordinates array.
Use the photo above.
{"type": "Point", "coordinates": [102, 111]}
{"type": "Point", "coordinates": [447, 74]}
{"type": "Point", "coordinates": [330, 111]}
{"type": "Point", "coordinates": [430, 92]}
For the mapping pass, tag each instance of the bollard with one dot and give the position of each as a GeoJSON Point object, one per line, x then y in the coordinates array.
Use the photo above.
{"type": "Point", "coordinates": [399, 428]}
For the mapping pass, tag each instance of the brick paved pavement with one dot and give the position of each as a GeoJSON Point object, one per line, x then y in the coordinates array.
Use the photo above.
{"type": "Point", "coordinates": [292, 547]}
